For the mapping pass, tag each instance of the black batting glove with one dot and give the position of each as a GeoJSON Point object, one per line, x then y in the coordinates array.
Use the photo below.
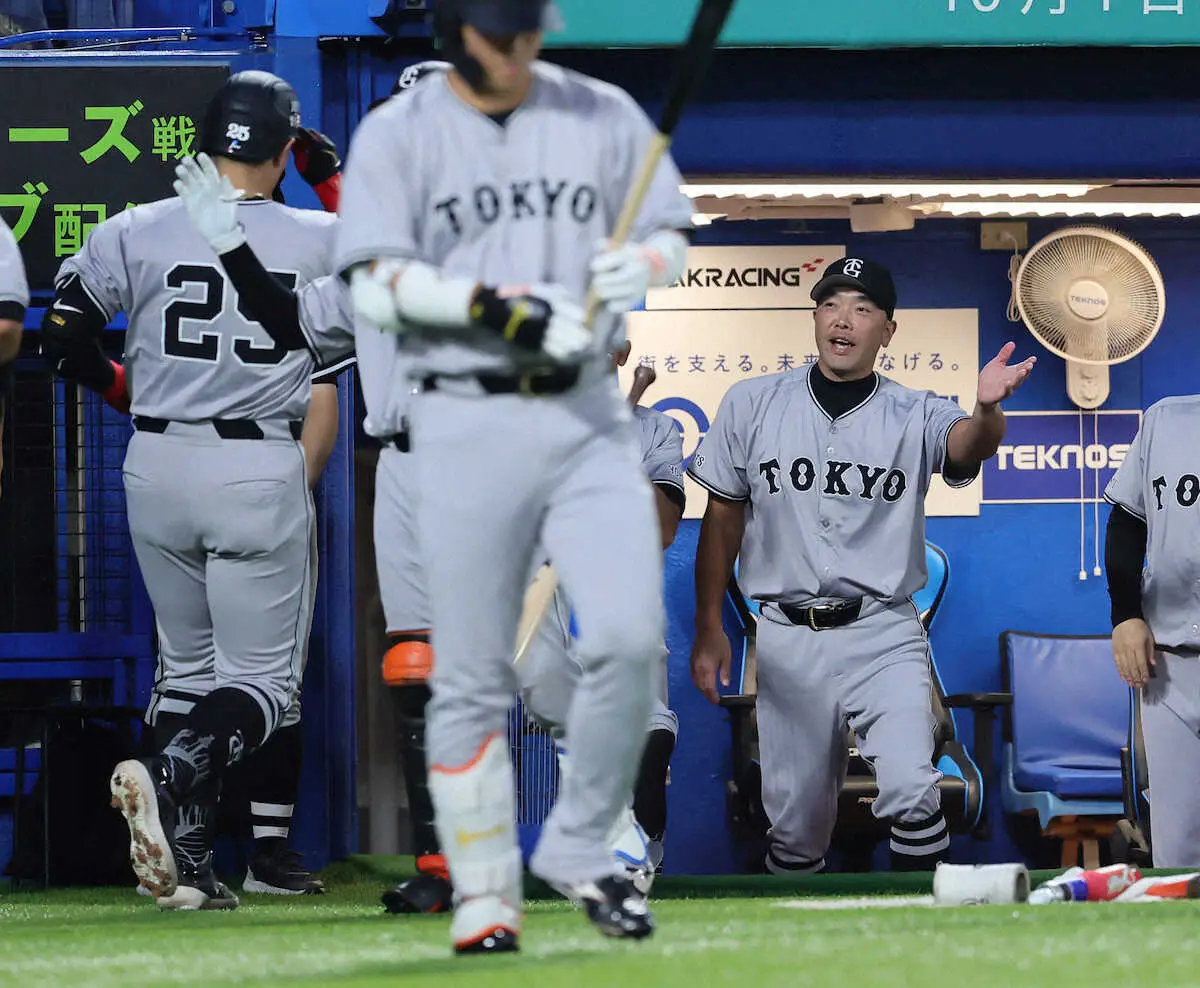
{"type": "Point", "coordinates": [316, 157]}
{"type": "Point", "coordinates": [521, 320]}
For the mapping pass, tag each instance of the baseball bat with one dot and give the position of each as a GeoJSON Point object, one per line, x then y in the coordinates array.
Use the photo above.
{"type": "Point", "coordinates": [643, 377]}
{"type": "Point", "coordinates": [692, 63]}
{"type": "Point", "coordinates": [693, 60]}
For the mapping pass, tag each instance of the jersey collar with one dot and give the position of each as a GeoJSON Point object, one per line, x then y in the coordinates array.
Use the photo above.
{"type": "Point", "coordinates": [812, 369]}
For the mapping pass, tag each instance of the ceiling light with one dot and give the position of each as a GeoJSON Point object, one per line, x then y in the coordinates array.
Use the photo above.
{"type": "Point", "coordinates": [1049, 209]}
{"type": "Point", "coordinates": [896, 190]}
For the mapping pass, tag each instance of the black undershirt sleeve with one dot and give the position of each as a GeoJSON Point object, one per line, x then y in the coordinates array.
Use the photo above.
{"type": "Point", "coordinates": [266, 299]}
{"type": "Point", "coordinates": [1124, 555]}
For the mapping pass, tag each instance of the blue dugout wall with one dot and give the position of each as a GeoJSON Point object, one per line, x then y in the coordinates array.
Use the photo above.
{"type": "Point", "coordinates": [980, 113]}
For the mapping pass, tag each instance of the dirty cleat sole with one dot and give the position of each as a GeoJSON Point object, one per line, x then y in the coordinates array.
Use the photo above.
{"type": "Point", "coordinates": [133, 793]}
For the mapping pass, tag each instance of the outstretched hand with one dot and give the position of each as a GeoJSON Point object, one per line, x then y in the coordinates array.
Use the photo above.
{"type": "Point", "coordinates": [211, 202]}
{"type": "Point", "coordinates": [998, 379]}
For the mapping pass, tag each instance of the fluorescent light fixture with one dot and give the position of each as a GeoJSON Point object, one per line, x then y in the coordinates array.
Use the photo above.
{"type": "Point", "coordinates": [896, 190]}
{"type": "Point", "coordinates": [1069, 209]}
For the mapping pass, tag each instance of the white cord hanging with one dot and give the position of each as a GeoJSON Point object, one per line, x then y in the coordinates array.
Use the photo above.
{"type": "Point", "coordinates": [1096, 570]}
{"type": "Point", "coordinates": [1082, 505]}
{"type": "Point", "coordinates": [1014, 266]}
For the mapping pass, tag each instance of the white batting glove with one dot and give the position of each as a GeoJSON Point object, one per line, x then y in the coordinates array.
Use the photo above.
{"type": "Point", "coordinates": [211, 202]}
{"type": "Point", "coordinates": [621, 276]}
{"type": "Point", "coordinates": [567, 338]}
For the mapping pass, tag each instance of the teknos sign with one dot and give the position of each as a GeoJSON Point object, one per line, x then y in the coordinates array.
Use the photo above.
{"type": "Point", "coordinates": [746, 278]}
{"type": "Point", "coordinates": [1054, 457]}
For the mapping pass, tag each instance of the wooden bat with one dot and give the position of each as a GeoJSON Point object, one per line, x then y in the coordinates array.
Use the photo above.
{"type": "Point", "coordinates": [693, 60]}
{"type": "Point", "coordinates": [643, 377]}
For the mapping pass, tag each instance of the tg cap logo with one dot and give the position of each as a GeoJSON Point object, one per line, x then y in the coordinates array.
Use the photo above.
{"type": "Point", "coordinates": [852, 267]}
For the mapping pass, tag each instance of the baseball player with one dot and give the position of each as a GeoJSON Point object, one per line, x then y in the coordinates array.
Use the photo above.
{"type": "Point", "coordinates": [1152, 580]}
{"type": "Point", "coordinates": [550, 673]}
{"type": "Point", "coordinates": [219, 508]}
{"type": "Point", "coordinates": [319, 316]}
{"type": "Point", "coordinates": [14, 299]}
{"type": "Point", "coordinates": [270, 777]}
{"type": "Point", "coordinates": [818, 476]}
{"type": "Point", "coordinates": [476, 265]}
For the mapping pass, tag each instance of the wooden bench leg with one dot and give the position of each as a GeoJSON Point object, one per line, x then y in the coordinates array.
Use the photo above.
{"type": "Point", "coordinates": [1091, 854]}
{"type": "Point", "coordinates": [1070, 852]}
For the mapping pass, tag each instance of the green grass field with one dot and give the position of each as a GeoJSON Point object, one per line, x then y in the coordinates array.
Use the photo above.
{"type": "Point", "coordinates": [710, 932]}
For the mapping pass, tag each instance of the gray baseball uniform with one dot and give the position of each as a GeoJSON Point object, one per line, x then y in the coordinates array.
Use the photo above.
{"type": "Point", "coordinates": [1159, 482]}
{"type": "Point", "coordinates": [496, 472]}
{"type": "Point", "coordinates": [222, 525]}
{"type": "Point", "coordinates": [13, 286]}
{"type": "Point", "coordinates": [551, 672]}
{"type": "Point", "coordinates": [835, 510]}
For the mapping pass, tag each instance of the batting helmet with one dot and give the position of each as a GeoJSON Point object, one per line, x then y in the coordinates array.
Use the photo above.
{"type": "Point", "coordinates": [251, 118]}
{"type": "Point", "coordinates": [499, 18]}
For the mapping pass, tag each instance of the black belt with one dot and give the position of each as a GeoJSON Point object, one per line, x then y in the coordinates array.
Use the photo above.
{"type": "Point", "coordinates": [225, 428]}
{"type": "Point", "coordinates": [547, 382]}
{"type": "Point", "coordinates": [822, 617]}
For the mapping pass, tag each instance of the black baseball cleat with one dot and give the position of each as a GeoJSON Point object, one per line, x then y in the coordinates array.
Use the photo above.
{"type": "Point", "coordinates": [614, 905]}
{"type": "Point", "coordinates": [280, 871]}
{"type": "Point", "coordinates": [497, 941]}
{"type": "Point", "coordinates": [421, 894]}
{"type": "Point", "coordinates": [141, 791]}
{"type": "Point", "coordinates": [198, 888]}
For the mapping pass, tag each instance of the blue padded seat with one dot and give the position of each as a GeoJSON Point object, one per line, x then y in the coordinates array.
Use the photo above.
{"type": "Point", "coordinates": [1064, 733]}
{"type": "Point", "coordinates": [1070, 715]}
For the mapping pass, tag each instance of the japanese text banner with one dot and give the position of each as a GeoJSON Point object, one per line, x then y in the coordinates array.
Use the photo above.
{"type": "Point", "coordinates": [78, 144]}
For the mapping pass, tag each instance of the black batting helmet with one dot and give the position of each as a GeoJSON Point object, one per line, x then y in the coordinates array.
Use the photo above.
{"type": "Point", "coordinates": [251, 118]}
{"type": "Point", "coordinates": [500, 18]}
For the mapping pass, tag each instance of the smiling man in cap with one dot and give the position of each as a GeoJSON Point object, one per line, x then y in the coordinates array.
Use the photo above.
{"type": "Point", "coordinates": [835, 460]}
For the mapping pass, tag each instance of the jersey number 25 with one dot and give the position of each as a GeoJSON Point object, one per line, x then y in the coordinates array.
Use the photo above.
{"type": "Point", "coordinates": [207, 346]}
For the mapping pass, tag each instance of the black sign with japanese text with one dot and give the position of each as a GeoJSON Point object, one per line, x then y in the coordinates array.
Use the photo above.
{"type": "Point", "coordinates": [80, 143]}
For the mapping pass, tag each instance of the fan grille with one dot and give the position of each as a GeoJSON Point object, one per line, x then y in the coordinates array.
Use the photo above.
{"type": "Point", "coordinates": [1136, 299]}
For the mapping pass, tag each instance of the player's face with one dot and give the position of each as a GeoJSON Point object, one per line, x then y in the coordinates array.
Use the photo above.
{"type": "Point", "coordinates": [505, 60]}
{"type": "Point", "coordinates": [851, 329]}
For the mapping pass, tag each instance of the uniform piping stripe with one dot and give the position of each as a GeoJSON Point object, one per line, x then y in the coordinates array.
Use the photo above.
{"type": "Point", "coordinates": [958, 481]}
{"type": "Point", "coordinates": [716, 490]}
{"type": "Point", "coordinates": [1122, 504]}
{"type": "Point", "coordinates": [306, 605]}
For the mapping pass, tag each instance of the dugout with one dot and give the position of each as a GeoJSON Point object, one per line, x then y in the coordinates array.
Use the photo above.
{"type": "Point", "coordinates": [954, 91]}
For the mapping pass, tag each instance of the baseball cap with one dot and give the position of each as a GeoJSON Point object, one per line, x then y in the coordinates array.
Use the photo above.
{"type": "Point", "coordinates": [506, 17]}
{"type": "Point", "coordinates": [873, 280]}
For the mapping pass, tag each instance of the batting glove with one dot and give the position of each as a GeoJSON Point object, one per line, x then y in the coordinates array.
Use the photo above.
{"type": "Point", "coordinates": [211, 202]}
{"type": "Point", "coordinates": [549, 321]}
{"type": "Point", "coordinates": [317, 161]}
{"type": "Point", "coordinates": [621, 276]}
